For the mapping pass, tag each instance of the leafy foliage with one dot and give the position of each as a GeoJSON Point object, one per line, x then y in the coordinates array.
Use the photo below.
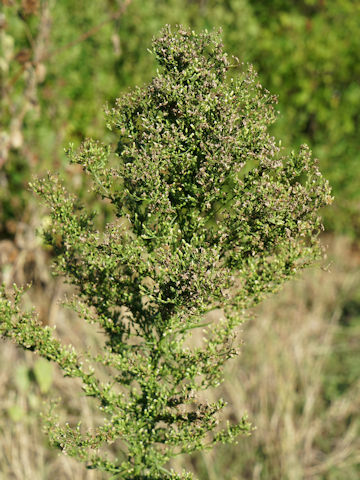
{"type": "Point", "coordinates": [46, 92]}
{"type": "Point", "coordinates": [308, 53]}
{"type": "Point", "coordinates": [210, 215]}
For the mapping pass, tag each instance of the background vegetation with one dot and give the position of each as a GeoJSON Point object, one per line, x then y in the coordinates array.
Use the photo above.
{"type": "Point", "coordinates": [298, 377]}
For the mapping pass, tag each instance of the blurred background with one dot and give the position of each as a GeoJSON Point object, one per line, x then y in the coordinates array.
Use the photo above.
{"type": "Point", "coordinates": [298, 376]}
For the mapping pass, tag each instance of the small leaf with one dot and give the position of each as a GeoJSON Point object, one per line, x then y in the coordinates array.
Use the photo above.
{"type": "Point", "coordinates": [16, 413]}
{"type": "Point", "coordinates": [43, 371]}
{"type": "Point", "coordinates": [21, 378]}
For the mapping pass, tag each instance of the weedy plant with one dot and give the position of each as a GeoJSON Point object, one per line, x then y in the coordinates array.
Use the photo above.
{"type": "Point", "coordinates": [209, 215]}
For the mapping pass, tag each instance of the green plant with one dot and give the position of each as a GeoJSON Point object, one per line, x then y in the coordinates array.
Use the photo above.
{"type": "Point", "coordinates": [308, 53]}
{"type": "Point", "coordinates": [60, 61]}
{"type": "Point", "coordinates": [209, 216]}
{"type": "Point", "coordinates": [49, 51]}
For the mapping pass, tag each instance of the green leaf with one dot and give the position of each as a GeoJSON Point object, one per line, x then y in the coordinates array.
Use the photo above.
{"type": "Point", "coordinates": [43, 371]}
{"type": "Point", "coordinates": [16, 413]}
{"type": "Point", "coordinates": [22, 378]}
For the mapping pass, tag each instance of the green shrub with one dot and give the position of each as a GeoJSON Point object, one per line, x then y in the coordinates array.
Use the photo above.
{"type": "Point", "coordinates": [61, 61]}
{"type": "Point", "coordinates": [308, 53]}
{"type": "Point", "coordinates": [54, 83]}
{"type": "Point", "coordinates": [210, 215]}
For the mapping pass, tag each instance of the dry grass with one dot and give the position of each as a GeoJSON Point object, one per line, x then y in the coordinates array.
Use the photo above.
{"type": "Point", "coordinates": [280, 380]}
